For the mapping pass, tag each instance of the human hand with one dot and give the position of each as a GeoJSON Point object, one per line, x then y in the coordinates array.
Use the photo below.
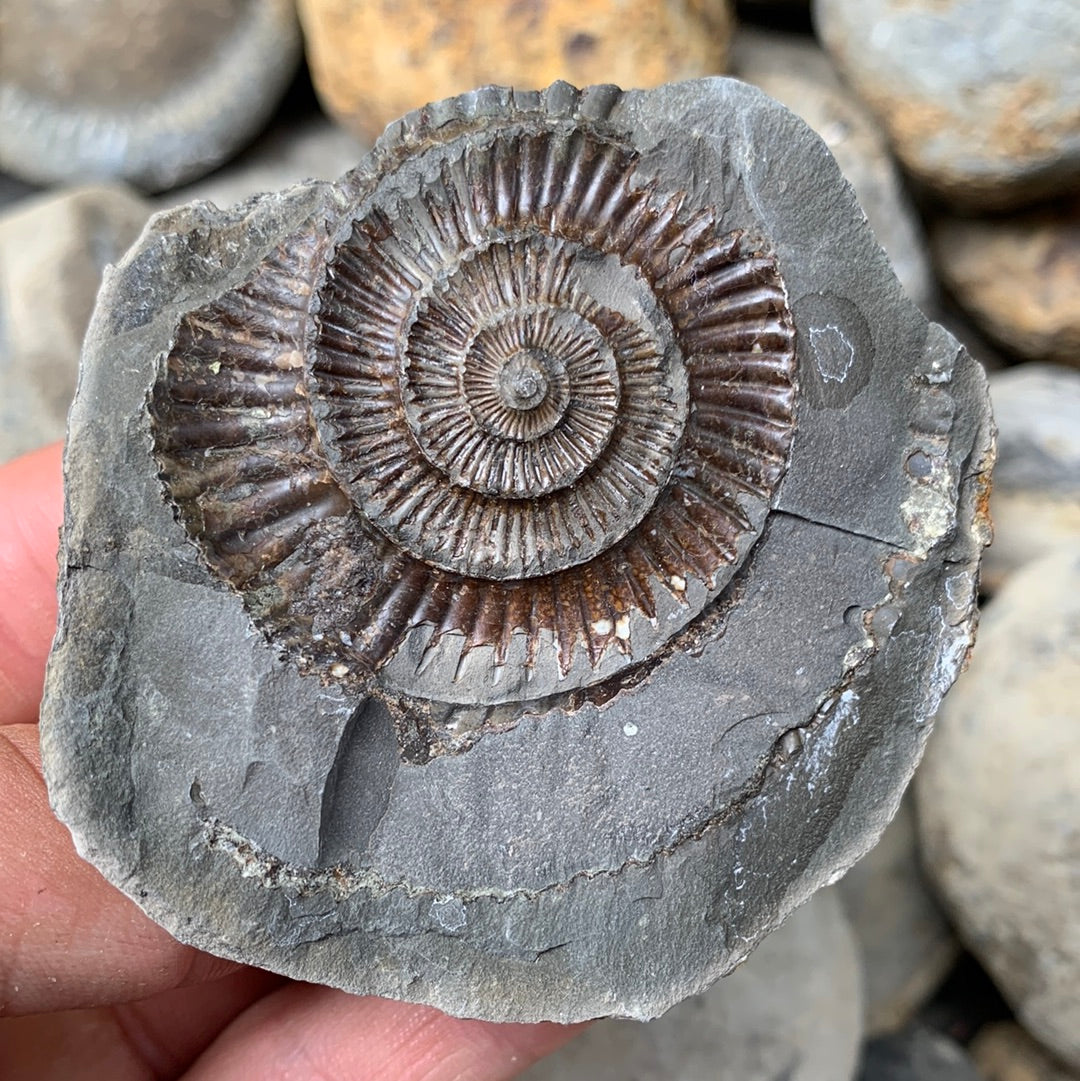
{"type": "Point", "coordinates": [91, 988]}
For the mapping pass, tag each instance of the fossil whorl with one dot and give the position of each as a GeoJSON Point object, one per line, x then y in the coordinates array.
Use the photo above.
{"type": "Point", "coordinates": [497, 425]}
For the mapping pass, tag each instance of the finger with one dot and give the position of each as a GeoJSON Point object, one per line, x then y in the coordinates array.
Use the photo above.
{"type": "Point", "coordinates": [30, 509]}
{"type": "Point", "coordinates": [67, 938]}
{"type": "Point", "coordinates": [140, 1041]}
{"type": "Point", "coordinates": [303, 1032]}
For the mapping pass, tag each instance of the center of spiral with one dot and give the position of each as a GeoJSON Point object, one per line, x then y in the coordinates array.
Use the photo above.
{"type": "Point", "coordinates": [523, 380]}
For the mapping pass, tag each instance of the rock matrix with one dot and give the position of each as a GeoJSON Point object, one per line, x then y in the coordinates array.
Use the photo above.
{"type": "Point", "coordinates": [795, 71]}
{"type": "Point", "coordinates": [426, 533]}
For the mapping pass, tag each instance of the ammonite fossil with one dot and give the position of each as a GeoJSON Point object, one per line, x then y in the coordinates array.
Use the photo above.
{"type": "Point", "coordinates": [513, 577]}
{"type": "Point", "coordinates": [507, 424]}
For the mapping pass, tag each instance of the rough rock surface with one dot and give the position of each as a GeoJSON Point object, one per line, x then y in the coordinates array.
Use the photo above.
{"type": "Point", "coordinates": [945, 311]}
{"type": "Point", "coordinates": [149, 91]}
{"type": "Point", "coordinates": [999, 798]}
{"type": "Point", "coordinates": [792, 1010]}
{"type": "Point", "coordinates": [793, 69]}
{"type": "Point", "coordinates": [373, 62]}
{"type": "Point", "coordinates": [1018, 278]}
{"type": "Point", "coordinates": [1035, 504]}
{"type": "Point", "coordinates": [1005, 1052]}
{"type": "Point", "coordinates": [980, 99]}
{"type": "Point", "coordinates": [906, 944]}
{"type": "Point", "coordinates": [530, 858]}
{"type": "Point", "coordinates": [53, 250]}
{"type": "Point", "coordinates": [917, 1054]}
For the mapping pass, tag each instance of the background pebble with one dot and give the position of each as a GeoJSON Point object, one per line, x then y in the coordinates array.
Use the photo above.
{"type": "Point", "coordinates": [981, 98]}
{"type": "Point", "coordinates": [1005, 1052]}
{"type": "Point", "coordinates": [374, 61]}
{"type": "Point", "coordinates": [53, 250]}
{"type": "Point", "coordinates": [999, 798]}
{"type": "Point", "coordinates": [906, 943]}
{"type": "Point", "coordinates": [1035, 503]}
{"type": "Point", "coordinates": [917, 1054]}
{"type": "Point", "coordinates": [154, 92]}
{"type": "Point", "coordinates": [1018, 278]}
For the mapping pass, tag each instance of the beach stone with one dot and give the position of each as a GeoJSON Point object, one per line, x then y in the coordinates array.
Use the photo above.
{"type": "Point", "coordinates": [53, 249]}
{"type": "Point", "coordinates": [795, 70]}
{"type": "Point", "coordinates": [372, 62]}
{"type": "Point", "coordinates": [154, 92]}
{"type": "Point", "coordinates": [917, 1054]}
{"type": "Point", "coordinates": [999, 798]}
{"type": "Point", "coordinates": [1018, 278]}
{"type": "Point", "coordinates": [1035, 504]}
{"type": "Point", "coordinates": [981, 100]}
{"type": "Point", "coordinates": [791, 1010]}
{"type": "Point", "coordinates": [309, 146]}
{"type": "Point", "coordinates": [300, 728]}
{"type": "Point", "coordinates": [1005, 1052]}
{"type": "Point", "coordinates": [906, 944]}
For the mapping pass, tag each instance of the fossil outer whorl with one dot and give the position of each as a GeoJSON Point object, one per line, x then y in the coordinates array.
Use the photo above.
{"type": "Point", "coordinates": [500, 429]}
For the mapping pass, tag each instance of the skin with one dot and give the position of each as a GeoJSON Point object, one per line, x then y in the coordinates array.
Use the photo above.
{"type": "Point", "coordinates": [90, 988]}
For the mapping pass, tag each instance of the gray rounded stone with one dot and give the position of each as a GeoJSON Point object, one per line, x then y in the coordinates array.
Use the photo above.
{"type": "Point", "coordinates": [1035, 504]}
{"type": "Point", "coordinates": [999, 798]}
{"type": "Point", "coordinates": [53, 251]}
{"type": "Point", "coordinates": [291, 150]}
{"type": "Point", "coordinates": [906, 944]}
{"type": "Point", "coordinates": [791, 1010]}
{"type": "Point", "coordinates": [793, 69]}
{"type": "Point", "coordinates": [154, 92]}
{"type": "Point", "coordinates": [980, 98]}
{"type": "Point", "coordinates": [615, 846]}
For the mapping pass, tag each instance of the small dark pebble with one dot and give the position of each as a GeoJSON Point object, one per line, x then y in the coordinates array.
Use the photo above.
{"type": "Point", "coordinates": [917, 1054]}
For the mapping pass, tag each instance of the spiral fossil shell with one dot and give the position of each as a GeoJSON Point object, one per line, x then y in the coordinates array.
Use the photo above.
{"type": "Point", "coordinates": [519, 401]}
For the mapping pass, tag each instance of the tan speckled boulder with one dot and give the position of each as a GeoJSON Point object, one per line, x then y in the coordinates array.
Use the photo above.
{"type": "Point", "coordinates": [373, 61]}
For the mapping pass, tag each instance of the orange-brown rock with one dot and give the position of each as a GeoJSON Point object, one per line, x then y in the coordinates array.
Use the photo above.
{"type": "Point", "coordinates": [1018, 278]}
{"type": "Point", "coordinates": [373, 61]}
{"type": "Point", "coordinates": [1005, 1052]}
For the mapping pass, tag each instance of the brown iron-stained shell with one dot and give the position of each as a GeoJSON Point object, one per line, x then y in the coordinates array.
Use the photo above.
{"type": "Point", "coordinates": [499, 430]}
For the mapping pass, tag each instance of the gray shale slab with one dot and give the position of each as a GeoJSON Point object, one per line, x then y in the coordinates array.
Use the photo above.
{"type": "Point", "coordinates": [270, 787]}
